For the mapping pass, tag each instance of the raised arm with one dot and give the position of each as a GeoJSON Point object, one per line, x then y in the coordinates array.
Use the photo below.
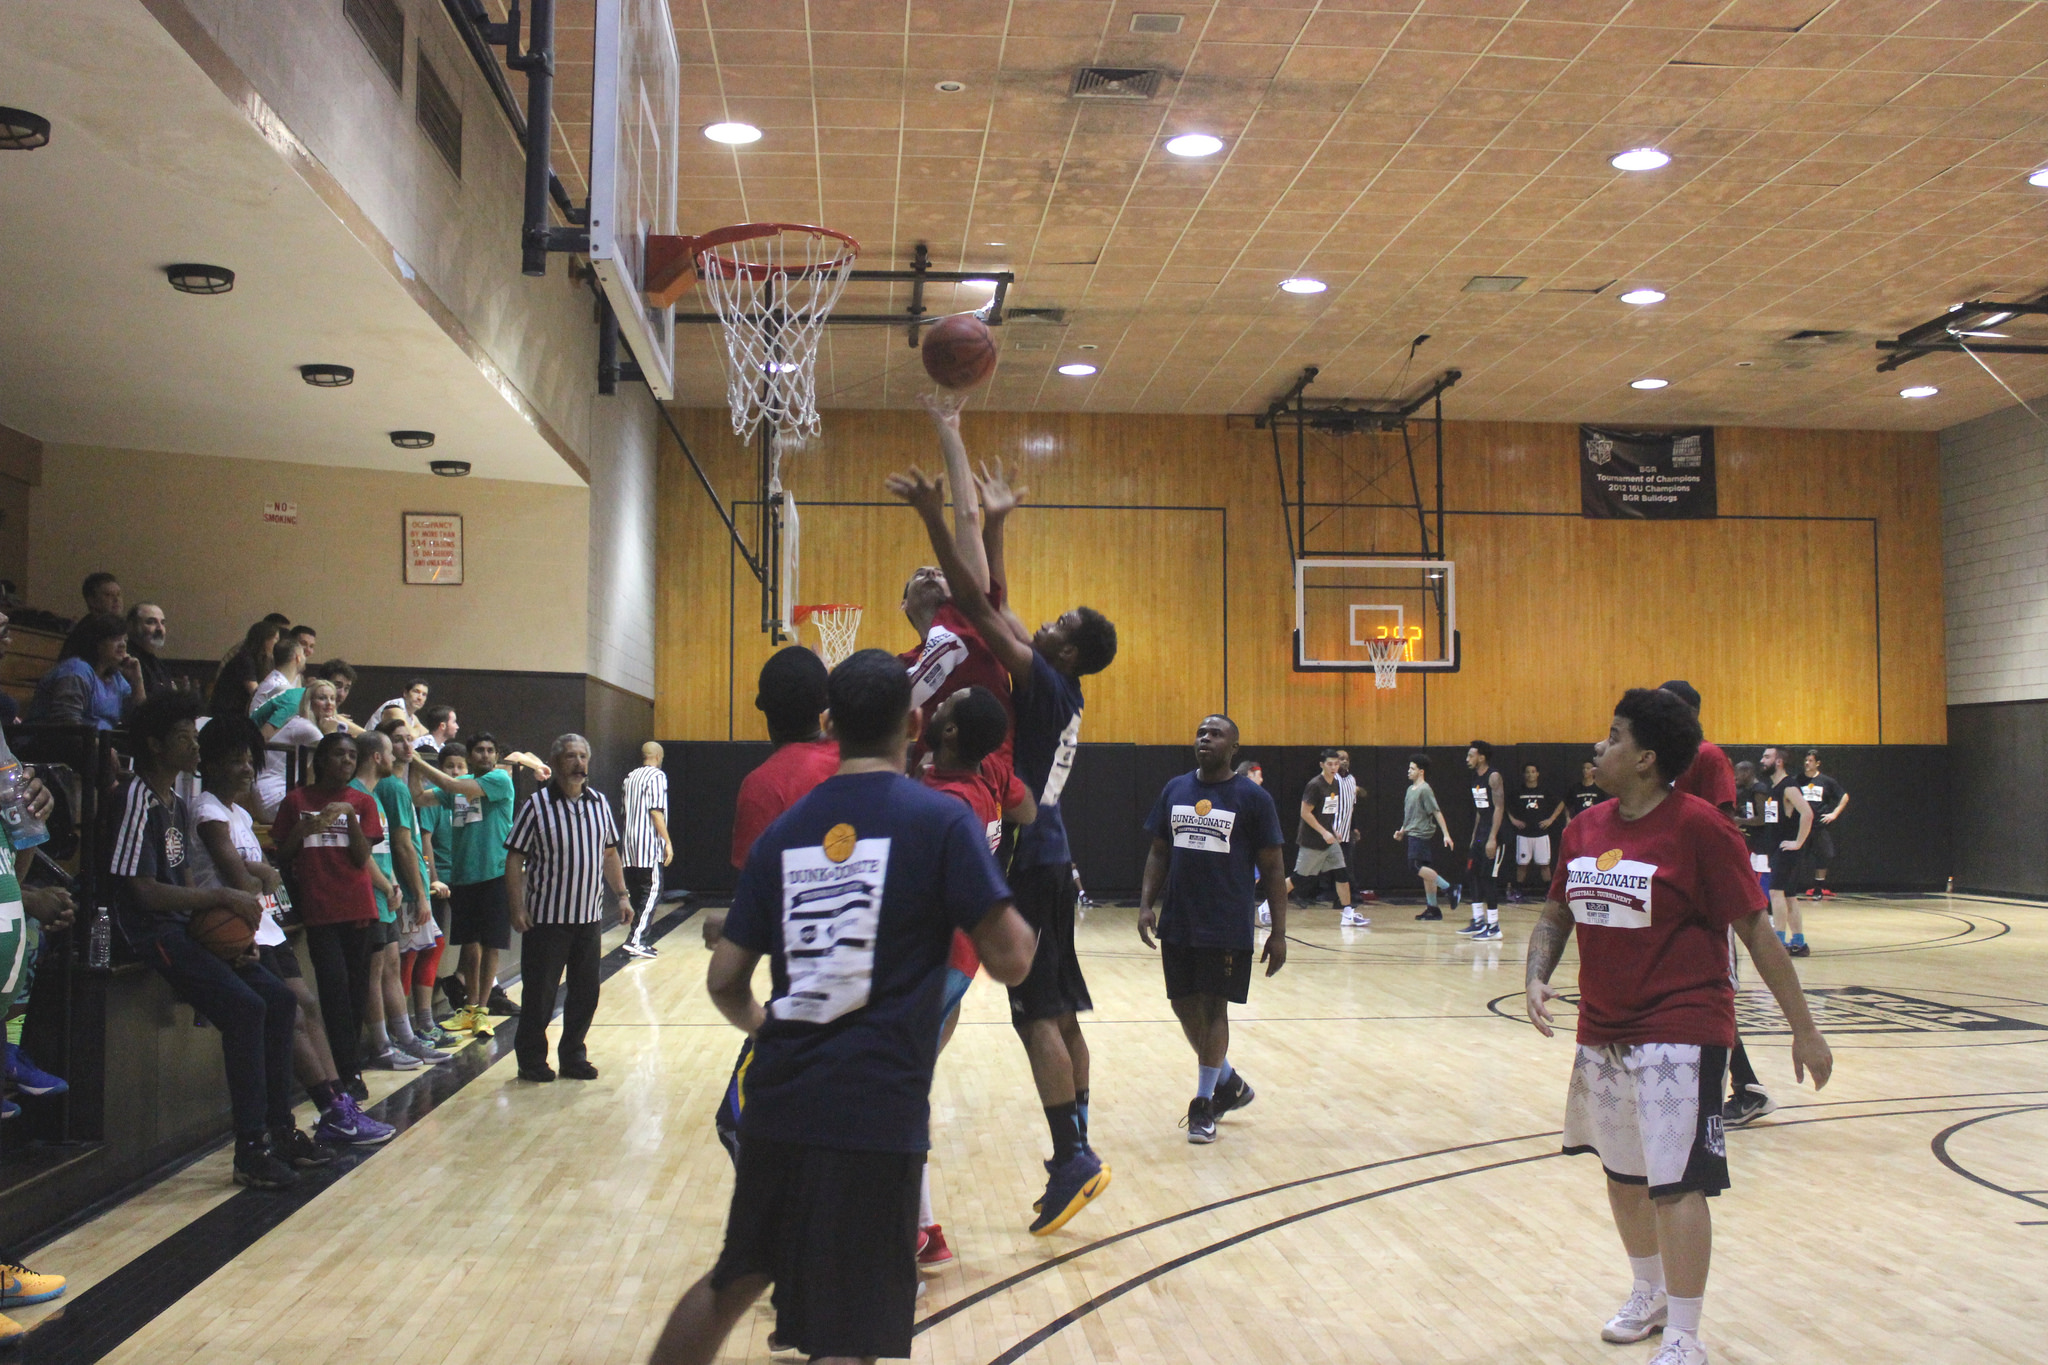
{"type": "Point", "coordinates": [458, 786]}
{"type": "Point", "coordinates": [1001, 495]}
{"type": "Point", "coordinates": [966, 496]}
{"type": "Point", "coordinates": [928, 499]}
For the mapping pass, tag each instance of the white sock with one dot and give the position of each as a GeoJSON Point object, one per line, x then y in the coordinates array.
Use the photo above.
{"type": "Point", "coordinates": [1206, 1078]}
{"type": "Point", "coordinates": [1493, 914]}
{"type": "Point", "coordinates": [1649, 1270]}
{"type": "Point", "coordinates": [1685, 1316]}
{"type": "Point", "coordinates": [924, 1198]}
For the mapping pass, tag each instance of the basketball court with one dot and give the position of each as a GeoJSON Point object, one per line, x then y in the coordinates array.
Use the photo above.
{"type": "Point", "coordinates": [1396, 378]}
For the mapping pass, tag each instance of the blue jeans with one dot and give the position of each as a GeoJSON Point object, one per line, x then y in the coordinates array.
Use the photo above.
{"type": "Point", "coordinates": [254, 1012]}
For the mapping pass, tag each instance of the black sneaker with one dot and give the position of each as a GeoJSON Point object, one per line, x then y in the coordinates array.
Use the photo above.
{"type": "Point", "coordinates": [359, 1088]}
{"type": "Point", "coordinates": [1201, 1120]}
{"type": "Point", "coordinates": [457, 993]}
{"type": "Point", "coordinates": [1751, 1106]}
{"type": "Point", "coordinates": [542, 1072]}
{"type": "Point", "coordinates": [1799, 950]}
{"type": "Point", "coordinates": [295, 1145]}
{"type": "Point", "coordinates": [579, 1071]}
{"type": "Point", "coordinates": [258, 1165]}
{"type": "Point", "coordinates": [1431, 913]}
{"type": "Point", "coordinates": [1234, 1093]}
{"type": "Point", "coordinates": [501, 1004]}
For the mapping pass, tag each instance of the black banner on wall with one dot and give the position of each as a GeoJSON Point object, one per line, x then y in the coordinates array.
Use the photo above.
{"type": "Point", "coordinates": [1647, 475]}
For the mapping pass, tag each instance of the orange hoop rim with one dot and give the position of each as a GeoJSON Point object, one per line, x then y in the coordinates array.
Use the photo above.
{"type": "Point", "coordinates": [798, 616]}
{"type": "Point", "coordinates": [708, 243]}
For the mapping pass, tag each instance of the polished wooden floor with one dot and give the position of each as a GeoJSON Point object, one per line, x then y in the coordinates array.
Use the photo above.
{"type": "Point", "coordinates": [1394, 1195]}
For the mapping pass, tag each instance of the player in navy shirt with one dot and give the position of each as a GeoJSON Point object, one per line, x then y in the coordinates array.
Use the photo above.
{"type": "Point", "coordinates": [1045, 668]}
{"type": "Point", "coordinates": [1213, 833]}
{"type": "Point", "coordinates": [853, 895]}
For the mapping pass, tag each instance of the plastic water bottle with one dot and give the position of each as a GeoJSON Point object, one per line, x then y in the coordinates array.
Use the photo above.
{"type": "Point", "coordinates": [99, 952]}
{"type": "Point", "coordinates": [24, 827]}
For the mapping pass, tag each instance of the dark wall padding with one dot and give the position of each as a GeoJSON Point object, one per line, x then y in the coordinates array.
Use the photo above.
{"type": "Point", "coordinates": [1998, 756]}
{"type": "Point", "coordinates": [1895, 835]}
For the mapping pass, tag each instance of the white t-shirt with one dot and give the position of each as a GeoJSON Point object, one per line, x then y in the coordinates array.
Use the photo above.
{"type": "Point", "coordinates": [298, 732]}
{"type": "Point", "coordinates": [277, 682]}
{"type": "Point", "coordinates": [210, 809]}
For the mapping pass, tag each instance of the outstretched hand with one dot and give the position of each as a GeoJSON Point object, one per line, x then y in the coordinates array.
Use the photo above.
{"type": "Point", "coordinates": [942, 414]}
{"type": "Point", "coordinates": [1000, 494]}
{"type": "Point", "coordinates": [928, 496]}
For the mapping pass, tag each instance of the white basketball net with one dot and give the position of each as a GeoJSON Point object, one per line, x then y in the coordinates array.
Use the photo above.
{"type": "Point", "coordinates": [1386, 661]}
{"type": "Point", "coordinates": [838, 626]}
{"type": "Point", "coordinates": [772, 295]}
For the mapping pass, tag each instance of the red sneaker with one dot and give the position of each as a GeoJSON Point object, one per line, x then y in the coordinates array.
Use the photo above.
{"type": "Point", "coordinates": [932, 1251]}
{"type": "Point", "coordinates": [1827, 894]}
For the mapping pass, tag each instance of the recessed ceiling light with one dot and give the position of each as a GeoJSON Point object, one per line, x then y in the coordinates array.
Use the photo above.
{"type": "Point", "coordinates": [1744, 364]}
{"type": "Point", "coordinates": [412, 440]}
{"type": "Point", "coordinates": [449, 469]}
{"type": "Point", "coordinates": [1642, 296]}
{"type": "Point", "coordinates": [1077, 369]}
{"type": "Point", "coordinates": [949, 87]}
{"type": "Point", "coordinates": [2040, 178]}
{"type": "Point", "coordinates": [327, 376]}
{"type": "Point", "coordinates": [995, 243]}
{"type": "Point", "coordinates": [1194, 144]}
{"type": "Point", "coordinates": [1302, 284]}
{"type": "Point", "coordinates": [1648, 383]}
{"type": "Point", "coordinates": [1919, 391]}
{"type": "Point", "coordinates": [1088, 346]}
{"type": "Point", "coordinates": [733, 134]}
{"type": "Point", "coordinates": [21, 131]}
{"type": "Point", "coordinates": [200, 279]}
{"type": "Point", "coordinates": [1640, 159]}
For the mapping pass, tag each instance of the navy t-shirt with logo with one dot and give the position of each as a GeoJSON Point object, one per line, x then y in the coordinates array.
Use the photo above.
{"type": "Point", "coordinates": [853, 894]}
{"type": "Point", "coordinates": [1216, 830]}
{"type": "Point", "coordinates": [144, 838]}
{"type": "Point", "coordinates": [1048, 732]}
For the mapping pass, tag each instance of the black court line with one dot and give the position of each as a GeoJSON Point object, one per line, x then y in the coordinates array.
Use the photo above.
{"type": "Point", "coordinates": [1108, 1296]}
{"type": "Point", "coordinates": [1940, 1148]}
{"type": "Point", "coordinates": [99, 1319]}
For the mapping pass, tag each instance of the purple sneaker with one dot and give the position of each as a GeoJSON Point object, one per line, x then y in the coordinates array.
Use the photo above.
{"type": "Point", "coordinates": [345, 1125]}
{"type": "Point", "coordinates": [29, 1078]}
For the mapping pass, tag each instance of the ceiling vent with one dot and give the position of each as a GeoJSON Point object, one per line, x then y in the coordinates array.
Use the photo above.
{"type": "Point", "coordinates": [1155, 23]}
{"type": "Point", "coordinates": [1116, 83]}
{"type": "Point", "coordinates": [1494, 284]}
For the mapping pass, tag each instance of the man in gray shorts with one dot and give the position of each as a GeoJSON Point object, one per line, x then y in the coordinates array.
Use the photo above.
{"type": "Point", "coordinates": [1320, 845]}
{"type": "Point", "coordinates": [1422, 820]}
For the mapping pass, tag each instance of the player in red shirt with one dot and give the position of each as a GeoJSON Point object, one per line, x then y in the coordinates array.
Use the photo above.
{"type": "Point", "coordinates": [968, 728]}
{"type": "Point", "coordinates": [1653, 881]}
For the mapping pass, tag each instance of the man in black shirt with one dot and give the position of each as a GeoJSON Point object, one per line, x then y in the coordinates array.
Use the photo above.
{"type": "Point", "coordinates": [1319, 840]}
{"type": "Point", "coordinates": [1533, 814]}
{"type": "Point", "coordinates": [1583, 797]}
{"type": "Point", "coordinates": [1791, 821]}
{"type": "Point", "coordinates": [1829, 800]}
{"type": "Point", "coordinates": [1489, 805]}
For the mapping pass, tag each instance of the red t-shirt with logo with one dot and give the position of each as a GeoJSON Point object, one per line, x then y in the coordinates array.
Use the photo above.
{"type": "Point", "coordinates": [1653, 899]}
{"type": "Point", "coordinates": [954, 655]}
{"type": "Point", "coordinates": [988, 793]}
{"type": "Point", "coordinates": [327, 886]}
{"type": "Point", "coordinates": [785, 779]}
{"type": "Point", "coordinates": [1711, 777]}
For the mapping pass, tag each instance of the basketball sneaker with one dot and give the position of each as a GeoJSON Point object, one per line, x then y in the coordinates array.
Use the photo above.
{"type": "Point", "coordinates": [29, 1078]}
{"type": "Point", "coordinates": [1680, 1348]}
{"type": "Point", "coordinates": [1430, 912]}
{"type": "Point", "coordinates": [292, 1145]}
{"type": "Point", "coordinates": [639, 950]}
{"type": "Point", "coordinates": [258, 1165]}
{"type": "Point", "coordinates": [1798, 947]}
{"type": "Point", "coordinates": [932, 1251]}
{"type": "Point", "coordinates": [783, 1350]}
{"type": "Point", "coordinates": [470, 1019]}
{"type": "Point", "coordinates": [1826, 894]}
{"type": "Point", "coordinates": [1474, 929]}
{"type": "Point", "coordinates": [20, 1286]}
{"type": "Point", "coordinates": [1753, 1105]}
{"type": "Point", "coordinates": [10, 1330]}
{"type": "Point", "coordinates": [1351, 919]}
{"type": "Point", "coordinates": [1069, 1188]}
{"type": "Point", "coordinates": [391, 1059]}
{"type": "Point", "coordinates": [1643, 1314]}
{"type": "Point", "coordinates": [346, 1125]}
{"type": "Point", "coordinates": [1487, 933]}
{"type": "Point", "coordinates": [422, 1049]}
{"type": "Point", "coordinates": [1201, 1119]}
{"type": "Point", "coordinates": [502, 1004]}
{"type": "Point", "coordinates": [1235, 1093]}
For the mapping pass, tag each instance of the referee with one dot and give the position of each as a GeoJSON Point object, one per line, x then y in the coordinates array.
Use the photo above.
{"type": "Point", "coordinates": [647, 849]}
{"type": "Point", "coordinates": [562, 853]}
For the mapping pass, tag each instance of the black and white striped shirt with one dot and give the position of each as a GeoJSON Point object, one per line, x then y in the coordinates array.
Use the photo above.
{"type": "Point", "coordinates": [564, 842]}
{"type": "Point", "coordinates": [646, 793]}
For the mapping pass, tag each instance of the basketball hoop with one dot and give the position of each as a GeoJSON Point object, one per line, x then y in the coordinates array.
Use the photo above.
{"type": "Point", "coordinates": [838, 623]}
{"type": "Point", "coordinates": [772, 286]}
{"type": "Point", "coordinates": [1386, 661]}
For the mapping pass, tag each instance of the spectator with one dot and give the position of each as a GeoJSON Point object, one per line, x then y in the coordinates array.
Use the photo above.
{"type": "Point", "coordinates": [287, 662]}
{"type": "Point", "coordinates": [419, 949]}
{"type": "Point", "coordinates": [36, 912]}
{"type": "Point", "coordinates": [401, 900]}
{"type": "Point", "coordinates": [226, 854]}
{"type": "Point", "coordinates": [150, 875]}
{"type": "Point", "coordinates": [10, 714]}
{"type": "Point", "coordinates": [146, 632]}
{"type": "Point", "coordinates": [338, 672]}
{"type": "Point", "coordinates": [307, 636]}
{"type": "Point", "coordinates": [441, 729]}
{"type": "Point", "coordinates": [94, 682]}
{"type": "Point", "coordinates": [297, 718]}
{"type": "Point", "coordinates": [440, 812]}
{"type": "Point", "coordinates": [563, 854]}
{"type": "Point", "coordinates": [235, 683]}
{"type": "Point", "coordinates": [102, 595]}
{"type": "Point", "coordinates": [323, 834]}
{"type": "Point", "coordinates": [481, 915]}
{"type": "Point", "coordinates": [407, 708]}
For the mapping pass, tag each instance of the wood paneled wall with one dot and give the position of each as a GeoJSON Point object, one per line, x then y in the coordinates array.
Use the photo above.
{"type": "Point", "coordinates": [1810, 607]}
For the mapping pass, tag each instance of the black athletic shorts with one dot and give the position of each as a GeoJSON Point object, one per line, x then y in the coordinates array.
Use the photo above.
{"type": "Point", "coordinates": [481, 914]}
{"type": "Point", "coordinates": [1485, 887]}
{"type": "Point", "coordinates": [1224, 972]}
{"type": "Point", "coordinates": [383, 933]}
{"type": "Point", "coordinates": [1045, 898]}
{"type": "Point", "coordinates": [1421, 852]}
{"type": "Point", "coordinates": [837, 1233]}
{"type": "Point", "coordinates": [280, 961]}
{"type": "Point", "coordinates": [1820, 847]}
{"type": "Point", "coordinates": [1785, 867]}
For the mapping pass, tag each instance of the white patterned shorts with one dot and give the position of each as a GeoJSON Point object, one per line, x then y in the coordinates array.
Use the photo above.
{"type": "Point", "coordinates": [1652, 1113]}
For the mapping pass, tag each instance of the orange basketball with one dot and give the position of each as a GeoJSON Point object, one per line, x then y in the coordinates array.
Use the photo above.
{"type": "Point", "coordinates": [958, 351]}
{"type": "Point", "coordinates": [221, 932]}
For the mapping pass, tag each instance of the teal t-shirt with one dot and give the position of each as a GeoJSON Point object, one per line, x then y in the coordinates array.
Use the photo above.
{"type": "Point", "coordinates": [435, 823]}
{"type": "Point", "coordinates": [279, 708]}
{"type": "Point", "coordinates": [380, 852]}
{"type": "Point", "coordinates": [394, 799]}
{"type": "Point", "coordinates": [481, 828]}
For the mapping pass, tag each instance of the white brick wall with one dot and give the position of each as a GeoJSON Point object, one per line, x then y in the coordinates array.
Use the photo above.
{"type": "Point", "coordinates": [1994, 551]}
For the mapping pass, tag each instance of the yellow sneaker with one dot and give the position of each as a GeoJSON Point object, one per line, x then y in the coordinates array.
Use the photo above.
{"type": "Point", "coordinates": [476, 1021]}
{"type": "Point", "coordinates": [20, 1285]}
{"type": "Point", "coordinates": [10, 1330]}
